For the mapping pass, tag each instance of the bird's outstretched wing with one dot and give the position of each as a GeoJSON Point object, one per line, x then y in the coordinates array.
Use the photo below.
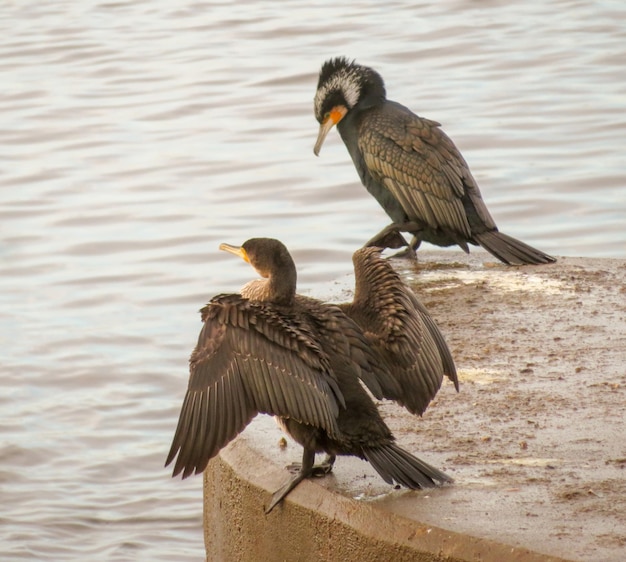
{"type": "Point", "coordinates": [250, 358]}
{"type": "Point", "coordinates": [449, 368]}
{"type": "Point", "coordinates": [419, 164]}
{"type": "Point", "coordinates": [401, 331]}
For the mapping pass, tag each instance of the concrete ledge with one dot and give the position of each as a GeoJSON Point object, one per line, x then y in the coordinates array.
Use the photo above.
{"type": "Point", "coordinates": [316, 524]}
{"type": "Point", "coordinates": [536, 440]}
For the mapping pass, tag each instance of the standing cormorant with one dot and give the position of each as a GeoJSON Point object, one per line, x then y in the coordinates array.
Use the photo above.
{"type": "Point", "coordinates": [269, 350]}
{"type": "Point", "coordinates": [409, 165]}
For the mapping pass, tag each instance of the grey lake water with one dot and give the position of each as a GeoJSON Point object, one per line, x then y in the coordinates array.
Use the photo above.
{"type": "Point", "coordinates": [137, 136]}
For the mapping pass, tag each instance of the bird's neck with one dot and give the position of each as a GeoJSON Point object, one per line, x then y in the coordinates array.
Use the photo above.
{"type": "Point", "coordinates": [372, 95]}
{"type": "Point", "coordinates": [279, 289]}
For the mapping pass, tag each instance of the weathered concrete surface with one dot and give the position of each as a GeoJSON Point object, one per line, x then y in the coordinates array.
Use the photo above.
{"type": "Point", "coordinates": [536, 439]}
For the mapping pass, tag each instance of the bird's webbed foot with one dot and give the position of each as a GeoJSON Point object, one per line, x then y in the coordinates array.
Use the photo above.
{"type": "Point", "coordinates": [306, 468]}
{"type": "Point", "coordinates": [280, 494]}
{"type": "Point", "coordinates": [318, 470]}
{"type": "Point", "coordinates": [294, 467]}
{"type": "Point", "coordinates": [407, 254]}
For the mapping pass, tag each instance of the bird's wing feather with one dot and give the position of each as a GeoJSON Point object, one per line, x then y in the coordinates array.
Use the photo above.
{"type": "Point", "coordinates": [449, 368]}
{"type": "Point", "coordinates": [250, 358]}
{"type": "Point", "coordinates": [401, 331]}
{"type": "Point", "coordinates": [421, 167]}
{"type": "Point", "coordinates": [348, 347]}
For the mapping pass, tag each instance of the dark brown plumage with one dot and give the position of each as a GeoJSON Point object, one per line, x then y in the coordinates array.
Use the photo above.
{"type": "Point", "coordinates": [272, 351]}
{"type": "Point", "coordinates": [409, 165]}
{"type": "Point", "coordinates": [401, 331]}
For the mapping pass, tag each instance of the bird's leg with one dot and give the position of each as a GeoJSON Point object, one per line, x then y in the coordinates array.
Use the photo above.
{"type": "Point", "coordinates": [410, 252]}
{"type": "Point", "coordinates": [388, 237]}
{"type": "Point", "coordinates": [308, 458]}
{"type": "Point", "coordinates": [415, 243]}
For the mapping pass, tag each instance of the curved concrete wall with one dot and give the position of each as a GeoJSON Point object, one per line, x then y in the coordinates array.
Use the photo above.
{"type": "Point", "coordinates": [315, 524]}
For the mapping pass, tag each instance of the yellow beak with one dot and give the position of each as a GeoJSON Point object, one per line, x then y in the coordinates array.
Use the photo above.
{"type": "Point", "coordinates": [236, 250]}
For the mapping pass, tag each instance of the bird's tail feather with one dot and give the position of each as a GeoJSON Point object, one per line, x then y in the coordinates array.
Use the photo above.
{"type": "Point", "coordinates": [395, 465]}
{"type": "Point", "coordinates": [510, 250]}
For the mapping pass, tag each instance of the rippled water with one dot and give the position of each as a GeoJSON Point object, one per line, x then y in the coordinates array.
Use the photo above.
{"type": "Point", "coordinates": [136, 136]}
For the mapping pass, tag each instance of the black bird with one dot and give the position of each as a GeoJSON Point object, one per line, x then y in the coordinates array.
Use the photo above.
{"type": "Point", "coordinates": [409, 165]}
{"type": "Point", "coordinates": [269, 350]}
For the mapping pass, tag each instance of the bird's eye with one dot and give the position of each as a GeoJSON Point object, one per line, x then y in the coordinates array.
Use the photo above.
{"type": "Point", "coordinates": [326, 116]}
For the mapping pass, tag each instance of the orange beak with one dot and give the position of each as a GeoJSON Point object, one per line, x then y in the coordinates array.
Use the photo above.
{"type": "Point", "coordinates": [335, 115]}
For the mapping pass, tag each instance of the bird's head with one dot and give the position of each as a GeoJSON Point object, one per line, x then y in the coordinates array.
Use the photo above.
{"type": "Point", "coordinates": [267, 256]}
{"type": "Point", "coordinates": [342, 86]}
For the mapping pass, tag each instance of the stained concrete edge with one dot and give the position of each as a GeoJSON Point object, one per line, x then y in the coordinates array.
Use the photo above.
{"type": "Point", "coordinates": [534, 440]}
{"type": "Point", "coordinates": [316, 524]}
